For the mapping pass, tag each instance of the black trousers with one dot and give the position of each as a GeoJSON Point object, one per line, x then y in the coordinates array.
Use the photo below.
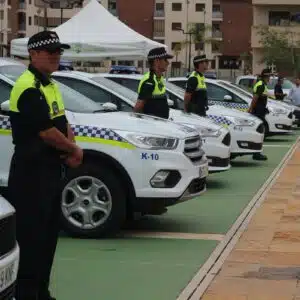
{"type": "Point", "coordinates": [34, 192]}
{"type": "Point", "coordinates": [196, 109]}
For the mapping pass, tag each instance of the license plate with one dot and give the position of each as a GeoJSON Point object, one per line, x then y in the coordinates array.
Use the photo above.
{"type": "Point", "coordinates": [203, 171]}
{"type": "Point", "coordinates": [7, 276]}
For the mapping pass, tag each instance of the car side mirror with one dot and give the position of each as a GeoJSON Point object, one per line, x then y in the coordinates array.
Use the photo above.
{"type": "Point", "coordinates": [108, 106]}
{"type": "Point", "coordinates": [5, 106]}
{"type": "Point", "coordinates": [227, 98]}
{"type": "Point", "coordinates": [170, 103]}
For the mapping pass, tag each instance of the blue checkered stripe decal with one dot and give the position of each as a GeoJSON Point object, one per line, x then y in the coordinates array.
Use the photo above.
{"type": "Point", "coordinates": [79, 130]}
{"type": "Point", "coordinates": [5, 123]}
{"type": "Point", "coordinates": [95, 132]}
{"type": "Point", "coordinates": [239, 106]}
{"type": "Point", "coordinates": [219, 119]}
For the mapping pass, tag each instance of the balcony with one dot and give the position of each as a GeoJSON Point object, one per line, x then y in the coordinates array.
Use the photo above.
{"type": "Point", "coordinates": [159, 14]}
{"type": "Point", "coordinates": [275, 2]}
{"type": "Point", "coordinates": [158, 34]}
{"type": "Point", "coordinates": [255, 36]}
{"type": "Point", "coordinates": [217, 16]}
{"type": "Point", "coordinates": [217, 35]}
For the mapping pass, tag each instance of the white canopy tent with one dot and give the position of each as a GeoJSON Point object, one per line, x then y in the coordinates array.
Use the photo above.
{"type": "Point", "coordinates": [94, 34]}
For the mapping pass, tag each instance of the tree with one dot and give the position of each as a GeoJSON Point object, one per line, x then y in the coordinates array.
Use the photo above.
{"type": "Point", "coordinates": [280, 48]}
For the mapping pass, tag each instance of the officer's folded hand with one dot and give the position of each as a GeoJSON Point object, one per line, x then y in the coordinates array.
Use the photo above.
{"type": "Point", "coordinates": [74, 160]}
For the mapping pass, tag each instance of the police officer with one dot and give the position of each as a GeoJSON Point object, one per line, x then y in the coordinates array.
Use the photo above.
{"type": "Point", "coordinates": [195, 98]}
{"type": "Point", "coordinates": [44, 144]}
{"type": "Point", "coordinates": [258, 106]}
{"type": "Point", "coordinates": [152, 97]}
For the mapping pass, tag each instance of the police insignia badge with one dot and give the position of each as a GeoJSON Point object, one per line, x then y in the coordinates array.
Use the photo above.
{"type": "Point", "coordinates": [55, 108]}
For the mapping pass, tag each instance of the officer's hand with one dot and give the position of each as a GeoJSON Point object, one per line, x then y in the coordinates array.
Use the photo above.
{"type": "Point", "coordinates": [74, 160]}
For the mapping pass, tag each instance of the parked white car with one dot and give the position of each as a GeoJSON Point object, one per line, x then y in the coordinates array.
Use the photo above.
{"type": "Point", "coordinates": [279, 120]}
{"type": "Point", "coordinates": [247, 132]}
{"type": "Point", "coordinates": [133, 163]}
{"type": "Point", "coordinates": [9, 250]}
{"type": "Point", "coordinates": [216, 138]}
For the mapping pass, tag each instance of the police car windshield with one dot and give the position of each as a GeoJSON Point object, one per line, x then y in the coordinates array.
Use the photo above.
{"type": "Point", "coordinates": [117, 88]}
{"type": "Point", "coordinates": [73, 100]}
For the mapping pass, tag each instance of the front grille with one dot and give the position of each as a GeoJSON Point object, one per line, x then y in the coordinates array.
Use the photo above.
{"type": "Point", "coordinates": [290, 115]}
{"type": "Point", "coordinates": [227, 139]}
{"type": "Point", "coordinates": [260, 128]}
{"type": "Point", "coordinates": [249, 145]}
{"type": "Point", "coordinates": [297, 113]}
{"type": "Point", "coordinates": [193, 150]}
{"type": "Point", "coordinates": [8, 294]}
{"type": "Point", "coordinates": [7, 234]}
{"type": "Point", "coordinates": [283, 127]}
{"type": "Point", "coordinates": [197, 185]}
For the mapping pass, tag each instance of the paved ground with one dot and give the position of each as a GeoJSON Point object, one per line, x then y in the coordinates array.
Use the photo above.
{"type": "Point", "coordinates": [160, 255]}
{"type": "Point", "coordinates": [265, 263]}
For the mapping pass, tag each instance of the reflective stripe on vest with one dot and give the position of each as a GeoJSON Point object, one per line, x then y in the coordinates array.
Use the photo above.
{"type": "Point", "coordinates": [259, 83]}
{"type": "Point", "coordinates": [50, 92]}
{"type": "Point", "coordinates": [201, 81]}
{"type": "Point", "coordinates": [159, 88]}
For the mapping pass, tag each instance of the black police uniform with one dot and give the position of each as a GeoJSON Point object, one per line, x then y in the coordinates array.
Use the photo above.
{"type": "Point", "coordinates": [152, 89]}
{"type": "Point", "coordinates": [197, 87]}
{"type": "Point", "coordinates": [34, 181]}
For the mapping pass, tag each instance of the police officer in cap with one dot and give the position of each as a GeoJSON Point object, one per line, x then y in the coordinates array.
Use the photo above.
{"type": "Point", "coordinates": [44, 146]}
{"type": "Point", "coordinates": [258, 106]}
{"type": "Point", "coordinates": [195, 98]}
{"type": "Point", "coordinates": [152, 97]}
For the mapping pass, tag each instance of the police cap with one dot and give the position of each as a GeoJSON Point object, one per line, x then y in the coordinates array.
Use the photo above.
{"type": "Point", "coordinates": [266, 73]}
{"type": "Point", "coordinates": [200, 58]}
{"type": "Point", "coordinates": [46, 40]}
{"type": "Point", "coordinates": [159, 53]}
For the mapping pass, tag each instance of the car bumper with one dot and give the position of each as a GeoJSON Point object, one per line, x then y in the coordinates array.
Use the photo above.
{"type": "Point", "coordinates": [279, 123]}
{"type": "Point", "coordinates": [8, 270]}
{"type": "Point", "coordinates": [218, 154]}
{"type": "Point", "coordinates": [246, 141]}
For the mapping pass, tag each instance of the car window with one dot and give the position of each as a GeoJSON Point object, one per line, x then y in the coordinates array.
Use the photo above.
{"type": "Point", "coordinates": [180, 83]}
{"type": "Point", "coordinates": [216, 93]}
{"type": "Point", "coordinates": [12, 71]}
{"type": "Point", "coordinates": [87, 89]}
{"type": "Point", "coordinates": [129, 83]}
{"type": "Point", "coordinates": [178, 102]}
{"type": "Point", "coordinates": [246, 82]}
{"type": "Point", "coordinates": [5, 89]}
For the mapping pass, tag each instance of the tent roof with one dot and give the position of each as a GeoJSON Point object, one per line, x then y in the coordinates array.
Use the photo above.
{"type": "Point", "coordinates": [95, 32]}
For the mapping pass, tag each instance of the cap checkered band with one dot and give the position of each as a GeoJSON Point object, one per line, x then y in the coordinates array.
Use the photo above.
{"type": "Point", "coordinates": [154, 56]}
{"type": "Point", "coordinates": [43, 43]}
{"type": "Point", "coordinates": [200, 59]}
{"type": "Point", "coordinates": [79, 130]}
{"type": "Point", "coordinates": [239, 106]}
{"type": "Point", "coordinates": [95, 132]}
{"type": "Point", "coordinates": [219, 119]}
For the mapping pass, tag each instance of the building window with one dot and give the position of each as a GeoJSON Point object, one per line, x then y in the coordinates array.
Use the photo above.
{"type": "Point", "coordinates": [29, 21]}
{"type": "Point", "coordinates": [29, 1]}
{"type": "Point", "coordinates": [1, 14]}
{"type": "Point", "coordinates": [200, 6]}
{"type": "Point", "coordinates": [159, 6]}
{"type": "Point", "coordinates": [176, 6]}
{"type": "Point", "coordinates": [176, 46]}
{"type": "Point", "coordinates": [160, 41]}
{"type": "Point", "coordinates": [199, 46]}
{"type": "Point", "coordinates": [216, 8]}
{"type": "Point", "coordinates": [279, 18]}
{"type": "Point", "coordinates": [159, 28]}
{"type": "Point", "coordinates": [176, 26]}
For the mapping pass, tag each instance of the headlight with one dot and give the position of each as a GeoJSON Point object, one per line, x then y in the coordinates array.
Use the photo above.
{"type": "Point", "coordinates": [205, 131]}
{"type": "Point", "coordinates": [151, 142]}
{"type": "Point", "coordinates": [241, 121]}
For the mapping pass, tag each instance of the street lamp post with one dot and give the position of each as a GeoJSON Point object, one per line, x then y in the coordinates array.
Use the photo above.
{"type": "Point", "coordinates": [190, 46]}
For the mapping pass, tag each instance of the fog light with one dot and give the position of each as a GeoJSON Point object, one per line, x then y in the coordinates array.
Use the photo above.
{"type": "Point", "coordinates": [158, 180]}
{"type": "Point", "coordinates": [244, 144]}
{"type": "Point", "coordinates": [165, 179]}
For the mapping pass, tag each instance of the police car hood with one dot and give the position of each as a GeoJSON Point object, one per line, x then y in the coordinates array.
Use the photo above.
{"type": "Point", "coordinates": [131, 122]}
{"type": "Point", "coordinates": [279, 104]}
{"type": "Point", "coordinates": [180, 116]}
{"type": "Point", "coordinates": [5, 208]}
{"type": "Point", "coordinates": [222, 111]}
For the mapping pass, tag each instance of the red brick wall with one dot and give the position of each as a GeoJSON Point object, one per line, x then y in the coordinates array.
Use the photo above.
{"type": "Point", "coordinates": [137, 14]}
{"type": "Point", "coordinates": [236, 26]}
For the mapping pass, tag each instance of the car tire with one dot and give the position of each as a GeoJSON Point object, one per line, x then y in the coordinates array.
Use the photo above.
{"type": "Point", "coordinates": [82, 213]}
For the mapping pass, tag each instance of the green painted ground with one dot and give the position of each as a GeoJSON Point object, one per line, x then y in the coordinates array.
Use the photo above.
{"type": "Point", "coordinates": [158, 269]}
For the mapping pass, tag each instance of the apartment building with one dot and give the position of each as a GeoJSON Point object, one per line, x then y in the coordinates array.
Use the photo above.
{"type": "Point", "coordinates": [236, 32]}
{"type": "Point", "coordinates": [277, 14]}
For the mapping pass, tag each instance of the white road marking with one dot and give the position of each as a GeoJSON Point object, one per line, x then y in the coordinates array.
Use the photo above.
{"type": "Point", "coordinates": [276, 146]}
{"type": "Point", "coordinates": [175, 235]}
